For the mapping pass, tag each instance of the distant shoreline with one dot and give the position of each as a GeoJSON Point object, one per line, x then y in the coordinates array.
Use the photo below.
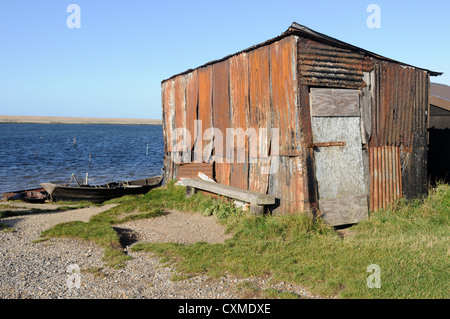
{"type": "Point", "coordinates": [75, 120]}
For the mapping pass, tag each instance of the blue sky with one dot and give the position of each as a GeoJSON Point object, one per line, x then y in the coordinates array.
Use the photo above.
{"type": "Point", "coordinates": [114, 64]}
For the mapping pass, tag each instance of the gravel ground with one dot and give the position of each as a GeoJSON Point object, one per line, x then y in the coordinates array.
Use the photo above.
{"type": "Point", "coordinates": [43, 269]}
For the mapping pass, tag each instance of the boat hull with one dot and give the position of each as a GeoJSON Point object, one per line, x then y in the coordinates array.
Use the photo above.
{"type": "Point", "coordinates": [35, 195]}
{"type": "Point", "coordinates": [100, 193]}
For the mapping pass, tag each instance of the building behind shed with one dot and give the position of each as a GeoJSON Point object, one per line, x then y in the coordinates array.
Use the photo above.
{"type": "Point", "coordinates": [439, 134]}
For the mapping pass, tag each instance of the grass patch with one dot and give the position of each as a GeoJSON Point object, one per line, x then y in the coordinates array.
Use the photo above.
{"type": "Point", "coordinates": [409, 242]}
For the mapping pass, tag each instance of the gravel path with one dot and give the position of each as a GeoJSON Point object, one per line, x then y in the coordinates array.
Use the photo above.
{"type": "Point", "coordinates": [42, 269]}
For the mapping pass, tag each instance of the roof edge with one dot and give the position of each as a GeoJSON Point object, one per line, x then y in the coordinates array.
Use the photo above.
{"type": "Point", "coordinates": [297, 28]}
{"type": "Point", "coordinates": [301, 30]}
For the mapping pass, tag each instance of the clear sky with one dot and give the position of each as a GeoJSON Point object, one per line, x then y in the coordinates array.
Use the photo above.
{"type": "Point", "coordinates": [113, 65]}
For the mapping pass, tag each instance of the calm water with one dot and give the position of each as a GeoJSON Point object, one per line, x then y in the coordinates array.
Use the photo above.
{"type": "Point", "coordinates": [34, 153]}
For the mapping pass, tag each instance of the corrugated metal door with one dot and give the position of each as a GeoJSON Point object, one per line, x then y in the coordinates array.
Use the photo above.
{"type": "Point", "coordinates": [338, 155]}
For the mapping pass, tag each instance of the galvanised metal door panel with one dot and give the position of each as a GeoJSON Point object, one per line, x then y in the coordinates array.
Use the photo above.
{"type": "Point", "coordinates": [339, 169]}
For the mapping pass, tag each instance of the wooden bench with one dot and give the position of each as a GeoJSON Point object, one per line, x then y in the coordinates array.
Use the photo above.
{"type": "Point", "coordinates": [256, 200]}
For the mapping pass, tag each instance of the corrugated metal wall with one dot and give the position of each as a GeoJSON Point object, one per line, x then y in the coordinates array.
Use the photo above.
{"type": "Point", "coordinates": [258, 90]}
{"type": "Point", "coordinates": [399, 118]}
{"type": "Point", "coordinates": [325, 65]}
{"type": "Point", "coordinates": [385, 176]}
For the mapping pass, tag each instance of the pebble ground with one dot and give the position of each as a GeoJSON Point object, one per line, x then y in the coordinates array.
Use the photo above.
{"type": "Point", "coordinates": [48, 269]}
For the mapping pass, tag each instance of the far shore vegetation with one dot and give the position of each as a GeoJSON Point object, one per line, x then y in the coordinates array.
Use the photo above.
{"type": "Point", "coordinates": [409, 242]}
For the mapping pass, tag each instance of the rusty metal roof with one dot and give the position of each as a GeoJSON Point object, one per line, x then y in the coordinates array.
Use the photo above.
{"type": "Point", "coordinates": [296, 28]}
{"type": "Point", "coordinates": [440, 95]}
{"type": "Point", "coordinates": [301, 30]}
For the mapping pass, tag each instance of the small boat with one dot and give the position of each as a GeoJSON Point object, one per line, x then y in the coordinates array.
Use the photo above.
{"type": "Point", "coordinates": [34, 195]}
{"type": "Point", "coordinates": [100, 193]}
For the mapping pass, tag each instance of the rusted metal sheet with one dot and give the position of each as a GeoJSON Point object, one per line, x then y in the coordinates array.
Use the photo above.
{"type": "Point", "coordinates": [284, 98]}
{"type": "Point", "coordinates": [191, 104]}
{"type": "Point", "coordinates": [204, 113]}
{"type": "Point", "coordinates": [223, 172]}
{"type": "Point", "coordinates": [239, 105]}
{"type": "Point", "coordinates": [221, 118]}
{"type": "Point", "coordinates": [258, 177]}
{"type": "Point", "coordinates": [259, 94]}
{"type": "Point", "coordinates": [259, 118]}
{"type": "Point", "coordinates": [326, 144]}
{"type": "Point", "coordinates": [399, 119]}
{"type": "Point", "coordinates": [191, 170]}
{"type": "Point", "coordinates": [326, 65]}
{"type": "Point", "coordinates": [385, 176]}
{"type": "Point", "coordinates": [180, 139]}
{"type": "Point", "coordinates": [168, 108]}
{"type": "Point", "coordinates": [286, 184]}
{"type": "Point", "coordinates": [220, 105]}
{"type": "Point", "coordinates": [400, 106]}
{"type": "Point", "coordinates": [180, 102]}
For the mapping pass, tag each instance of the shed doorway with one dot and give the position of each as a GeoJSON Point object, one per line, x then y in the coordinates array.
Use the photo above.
{"type": "Point", "coordinates": [338, 155]}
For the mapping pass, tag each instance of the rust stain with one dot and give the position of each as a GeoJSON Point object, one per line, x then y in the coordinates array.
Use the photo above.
{"type": "Point", "coordinates": [168, 96]}
{"type": "Point", "coordinates": [385, 176]}
{"type": "Point", "coordinates": [220, 104]}
{"type": "Point", "coordinates": [204, 110]}
{"type": "Point", "coordinates": [191, 170]}
{"type": "Point", "coordinates": [284, 102]}
{"type": "Point", "coordinates": [239, 105]}
{"type": "Point", "coordinates": [179, 110]}
{"type": "Point", "coordinates": [191, 104]}
{"type": "Point", "coordinates": [325, 65]}
{"type": "Point", "coordinates": [399, 106]}
{"type": "Point", "coordinates": [259, 118]}
{"type": "Point", "coordinates": [287, 185]}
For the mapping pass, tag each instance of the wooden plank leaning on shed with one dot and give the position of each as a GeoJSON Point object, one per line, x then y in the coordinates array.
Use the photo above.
{"type": "Point", "coordinates": [257, 200]}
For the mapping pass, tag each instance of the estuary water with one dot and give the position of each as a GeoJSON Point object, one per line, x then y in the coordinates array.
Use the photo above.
{"type": "Point", "coordinates": [31, 154]}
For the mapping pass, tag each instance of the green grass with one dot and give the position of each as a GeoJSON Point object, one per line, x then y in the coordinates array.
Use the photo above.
{"type": "Point", "coordinates": [409, 242]}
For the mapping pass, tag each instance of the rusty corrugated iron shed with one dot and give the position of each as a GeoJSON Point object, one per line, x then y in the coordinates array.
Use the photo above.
{"type": "Point", "coordinates": [270, 85]}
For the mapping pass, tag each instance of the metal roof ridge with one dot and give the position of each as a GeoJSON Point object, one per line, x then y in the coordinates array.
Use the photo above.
{"type": "Point", "coordinates": [295, 29]}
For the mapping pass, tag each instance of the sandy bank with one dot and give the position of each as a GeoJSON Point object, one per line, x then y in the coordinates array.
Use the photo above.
{"type": "Point", "coordinates": [74, 120]}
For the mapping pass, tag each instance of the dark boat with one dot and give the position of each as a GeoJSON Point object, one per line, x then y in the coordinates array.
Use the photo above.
{"type": "Point", "coordinates": [35, 195]}
{"type": "Point", "coordinates": [100, 193]}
